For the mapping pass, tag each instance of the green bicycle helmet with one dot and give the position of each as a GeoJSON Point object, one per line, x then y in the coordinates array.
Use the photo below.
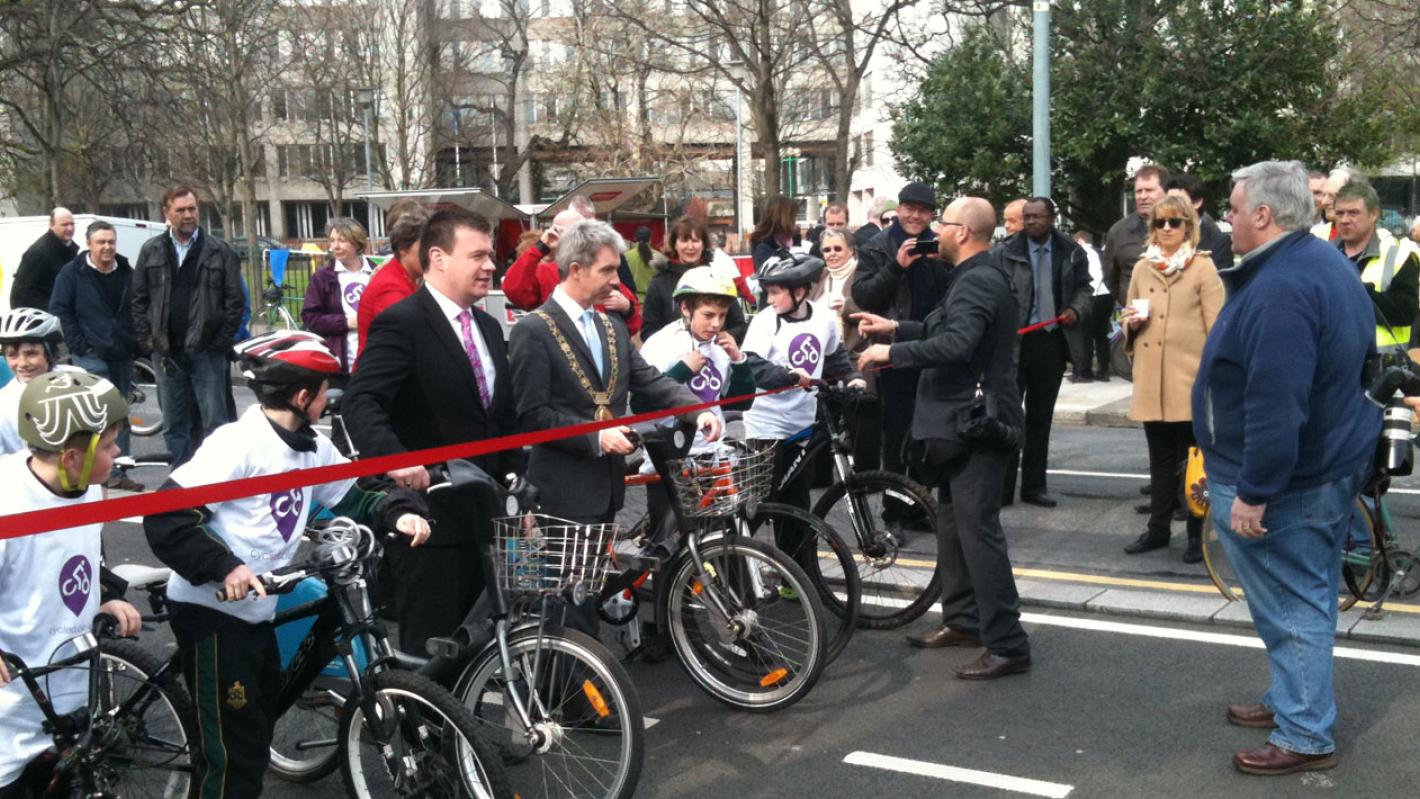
{"type": "Point", "coordinates": [56, 406]}
{"type": "Point", "coordinates": [705, 282]}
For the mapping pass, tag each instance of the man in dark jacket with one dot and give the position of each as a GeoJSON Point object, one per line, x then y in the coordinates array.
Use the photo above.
{"type": "Point", "coordinates": [1211, 238]}
{"type": "Point", "coordinates": [93, 298]}
{"type": "Point", "coordinates": [899, 284]}
{"type": "Point", "coordinates": [1051, 277]}
{"type": "Point", "coordinates": [187, 304]}
{"type": "Point", "coordinates": [1125, 241]}
{"type": "Point", "coordinates": [40, 265]}
{"type": "Point", "coordinates": [1289, 437]}
{"type": "Point", "coordinates": [967, 341]}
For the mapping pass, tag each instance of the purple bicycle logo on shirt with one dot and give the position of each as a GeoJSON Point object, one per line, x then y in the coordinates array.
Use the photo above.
{"type": "Point", "coordinates": [707, 383]}
{"type": "Point", "coordinates": [805, 352]}
{"type": "Point", "coordinates": [286, 509]}
{"type": "Point", "coordinates": [353, 293]}
{"type": "Point", "coordinates": [75, 580]}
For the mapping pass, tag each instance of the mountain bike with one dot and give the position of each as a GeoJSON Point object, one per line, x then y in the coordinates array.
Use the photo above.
{"type": "Point", "coordinates": [885, 512]}
{"type": "Point", "coordinates": [742, 617]}
{"type": "Point", "coordinates": [132, 737]}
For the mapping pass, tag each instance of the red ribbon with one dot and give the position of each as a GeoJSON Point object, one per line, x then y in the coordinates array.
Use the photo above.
{"type": "Point", "coordinates": [1029, 329]}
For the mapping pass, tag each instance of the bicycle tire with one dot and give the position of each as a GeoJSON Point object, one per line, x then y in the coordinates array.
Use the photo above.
{"type": "Point", "coordinates": [147, 732]}
{"type": "Point", "coordinates": [829, 564]}
{"type": "Point", "coordinates": [413, 697]}
{"type": "Point", "coordinates": [316, 712]}
{"type": "Point", "coordinates": [892, 594]}
{"type": "Point", "coordinates": [145, 412]}
{"type": "Point", "coordinates": [1363, 558]}
{"type": "Point", "coordinates": [750, 671]}
{"type": "Point", "coordinates": [615, 736]}
{"type": "Point", "coordinates": [1216, 563]}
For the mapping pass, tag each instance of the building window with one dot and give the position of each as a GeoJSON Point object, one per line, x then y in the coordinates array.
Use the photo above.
{"type": "Point", "coordinates": [868, 149]}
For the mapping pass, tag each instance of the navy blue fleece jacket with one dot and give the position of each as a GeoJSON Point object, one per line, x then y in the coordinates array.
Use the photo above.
{"type": "Point", "coordinates": [1278, 403]}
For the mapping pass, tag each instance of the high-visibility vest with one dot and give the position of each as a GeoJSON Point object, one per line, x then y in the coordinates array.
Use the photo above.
{"type": "Point", "coordinates": [1378, 273]}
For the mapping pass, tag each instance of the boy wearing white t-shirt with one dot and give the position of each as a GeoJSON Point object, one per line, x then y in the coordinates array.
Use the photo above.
{"type": "Point", "coordinates": [54, 582]}
{"type": "Point", "coordinates": [230, 658]}
{"type": "Point", "coordinates": [30, 340]}
{"type": "Point", "coordinates": [794, 340]}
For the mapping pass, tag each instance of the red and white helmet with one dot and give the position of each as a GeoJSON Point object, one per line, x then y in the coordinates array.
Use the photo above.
{"type": "Point", "coordinates": [286, 359]}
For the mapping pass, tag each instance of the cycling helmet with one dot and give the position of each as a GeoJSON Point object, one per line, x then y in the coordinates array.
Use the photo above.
{"type": "Point", "coordinates": [31, 325]}
{"type": "Point", "coordinates": [704, 281]}
{"type": "Point", "coordinates": [790, 269]}
{"type": "Point", "coordinates": [56, 406]}
{"type": "Point", "coordinates": [279, 363]}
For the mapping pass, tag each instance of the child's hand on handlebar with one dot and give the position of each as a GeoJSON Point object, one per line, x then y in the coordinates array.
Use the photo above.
{"type": "Point", "coordinates": [805, 379]}
{"type": "Point", "coordinates": [130, 621]}
{"type": "Point", "coordinates": [238, 581]}
{"type": "Point", "coordinates": [414, 526]}
{"type": "Point", "coordinates": [710, 425]}
{"type": "Point", "coordinates": [857, 384]}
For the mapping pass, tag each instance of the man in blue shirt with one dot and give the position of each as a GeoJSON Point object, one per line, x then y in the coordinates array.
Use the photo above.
{"type": "Point", "coordinates": [1288, 437]}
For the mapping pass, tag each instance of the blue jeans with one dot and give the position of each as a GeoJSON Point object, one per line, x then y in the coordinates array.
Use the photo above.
{"type": "Point", "coordinates": [1290, 577]}
{"type": "Point", "coordinates": [120, 373]}
{"type": "Point", "coordinates": [192, 389]}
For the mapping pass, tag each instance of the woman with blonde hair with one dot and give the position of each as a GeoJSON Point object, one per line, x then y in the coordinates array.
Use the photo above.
{"type": "Point", "coordinates": [1174, 298]}
{"type": "Point", "coordinates": [333, 297]}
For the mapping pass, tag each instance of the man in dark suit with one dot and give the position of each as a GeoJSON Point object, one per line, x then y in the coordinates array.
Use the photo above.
{"type": "Point", "coordinates": [968, 339]}
{"type": "Point", "coordinates": [1051, 278]}
{"type": "Point", "coordinates": [434, 371]}
{"type": "Point", "coordinates": [572, 365]}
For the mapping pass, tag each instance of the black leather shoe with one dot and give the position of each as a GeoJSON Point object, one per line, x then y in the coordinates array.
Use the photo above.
{"type": "Point", "coordinates": [990, 667]}
{"type": "Point", "coordinates": [944, 637]}
{"type": "Point", "coordinates": [1042, 499]}
{"type": "Point", "coordinates": [1146, 489]}
{"type": "Point", "coordinates": [1193, 553]}
{"type": "Point", "coordinates": [1148, 542]}
{"type": "Point", "coordinates": [1143, 509]}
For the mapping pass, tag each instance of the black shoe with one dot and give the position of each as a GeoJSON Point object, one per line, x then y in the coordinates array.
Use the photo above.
{"type": "Point", "coordinates": [1081, 379]}
{"type": "Point", "coordinates": [1041, 498]}
{"type": "Point", "coordinates": [1148, 542]}
{"type": "Point", "coordinates": [1180, 514]}
{"type": "Point", "coordinates": [1146, 489]}
{"type": "Point", "coordinates": [1103, 378]}
{"type": "Point", "coordinates": [1143, 508]}
{"type": "Point", "coordinates": [1193, 553]}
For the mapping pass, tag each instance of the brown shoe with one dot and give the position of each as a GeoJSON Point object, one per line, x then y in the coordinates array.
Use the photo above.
{"type": "Point", "coordinates": [945, 636]}
{"type": "Point", "coordinates": [1251, 716]}
{"type": "Point", "coordinates": [124, 483]}
{"type": "Point", "coordinates": [1271, 761]}
{"type": "Point", "coordinates": [990, 667]}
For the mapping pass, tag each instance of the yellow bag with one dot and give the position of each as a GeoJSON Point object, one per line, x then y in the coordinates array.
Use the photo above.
{"type": "Point", "coordinates": [1195, 481]}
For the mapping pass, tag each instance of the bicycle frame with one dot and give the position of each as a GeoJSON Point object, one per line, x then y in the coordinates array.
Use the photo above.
{"type": "Point", "coordinates": [827, 432]}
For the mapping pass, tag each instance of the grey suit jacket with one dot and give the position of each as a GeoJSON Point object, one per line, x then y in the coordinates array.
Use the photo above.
{"type": "Point", "coordinates": [576, 480]}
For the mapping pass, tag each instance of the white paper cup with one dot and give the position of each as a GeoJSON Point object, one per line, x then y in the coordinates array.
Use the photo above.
{"type": "Point", "coordinates": [1141, 307]}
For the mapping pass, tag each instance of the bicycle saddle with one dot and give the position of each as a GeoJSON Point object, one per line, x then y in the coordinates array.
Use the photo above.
{"type": "Point", "coordinates": [140, 577]}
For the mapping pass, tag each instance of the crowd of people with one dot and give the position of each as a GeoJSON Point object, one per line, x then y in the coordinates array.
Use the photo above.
{"type": "Point", "coordinates": [1248, 345]}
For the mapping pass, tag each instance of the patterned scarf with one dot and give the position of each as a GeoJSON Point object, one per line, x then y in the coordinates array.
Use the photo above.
{"type": "Point", "coordinates": [1172, 264]}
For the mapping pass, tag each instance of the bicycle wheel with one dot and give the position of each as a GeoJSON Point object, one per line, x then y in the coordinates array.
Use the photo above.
{"type": "Point", "coordinates": [588, 735]}
{"type": "Point", "coordinates": [827, 560]}
{"type": "Point", "coordinates": [423, 743]}
{"type": "Point", "coordinates": [1215, 561]}
{"type": "Point", "coordinates": [303, 742]}
{"type": "Point", "coordinates": [767, 650]}
{"type": "Point", "coordinates": [896, 552]}
{"type": "Point", "coordinates": [145, 415]}
{"type": "Point", "coordinates": [1363, 557]}
{"type": "Point", "coordinates": [143, 726]}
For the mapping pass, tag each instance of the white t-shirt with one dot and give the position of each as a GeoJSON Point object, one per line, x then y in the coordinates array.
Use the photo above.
{"type": "Point", "coordinates": [793, 344]}
{"type": "Point", "coordinates": [49, 593]}
{"type": "Point", "coordinates": [352, 288]}
{"type": "Point", "coordinates": [264, 531]}
{"type": "Point", "coordinates": [10, 440]}
{"type": "Point", "coordinates": [665, 348]}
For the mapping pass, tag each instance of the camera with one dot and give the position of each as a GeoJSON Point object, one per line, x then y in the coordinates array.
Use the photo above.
{"type": "Point", "coordinates": [1395, 379]}
{"type": "Point", "coordinates": [927, 247]}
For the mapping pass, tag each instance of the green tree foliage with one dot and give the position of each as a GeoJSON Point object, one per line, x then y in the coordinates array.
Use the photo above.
{"type": "Point", "coordinates": [1205, 85]}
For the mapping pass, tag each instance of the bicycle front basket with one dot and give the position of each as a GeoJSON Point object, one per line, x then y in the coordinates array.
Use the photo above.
{"type": "Point", "coordinates": [546, 555]}
{"type": "Point", "coordinates": [720, 483]}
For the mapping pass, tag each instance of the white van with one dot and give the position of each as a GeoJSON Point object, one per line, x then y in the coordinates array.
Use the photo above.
{"type": "Point", "coordinates": [17, 233]}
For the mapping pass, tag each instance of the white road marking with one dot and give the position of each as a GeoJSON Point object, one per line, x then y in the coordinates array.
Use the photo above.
{"type": "Point", "coordinates": [988, 779]}
{"type": "Point", "coordinates": [650, 722]}
{"type": "Point", "coordinates": [1131, 476]}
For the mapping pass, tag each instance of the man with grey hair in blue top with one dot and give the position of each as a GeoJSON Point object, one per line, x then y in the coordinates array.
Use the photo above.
{"type": "Point", "coordinates": [1288, 437]}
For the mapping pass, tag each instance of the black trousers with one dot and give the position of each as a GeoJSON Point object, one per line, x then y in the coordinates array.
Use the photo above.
{"type": "Point", "coordinates": [978, 589]}
{"type": "Point", "coordinates": [1038, 374]}
{"type": "Point", "coordinates": [1168, 456]}
{"type": "Point", "coordinates": [433, 589]}
{"type": "Point", "coordinates": [897, 394]}
{"type": "Point", "coordinates": [790, 537]}
{"type": "Point", "coordinates": [233, 670]}
{"type": "Point", "coordinates": [1096, 325]}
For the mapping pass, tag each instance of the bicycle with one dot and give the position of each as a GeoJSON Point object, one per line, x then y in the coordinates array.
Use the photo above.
{"type": "Point", "coordinates": [740, 614]}
{"type": "Point", "coordinates": [397, 731]}
{"type": "Point", "coordinates": [273, 314]}
{"type": "Point", "coordinates": [145, 414]}
{"type": "Point", "coordinates": [884, 510]}
{"type": "Point", "coordinates": [132, 737]}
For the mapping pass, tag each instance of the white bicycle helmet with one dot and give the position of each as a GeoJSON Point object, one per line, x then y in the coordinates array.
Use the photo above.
{"type": "Point", "coordinates": [704, 281]}
{"type": "Point", "coordinates": [32, 326]}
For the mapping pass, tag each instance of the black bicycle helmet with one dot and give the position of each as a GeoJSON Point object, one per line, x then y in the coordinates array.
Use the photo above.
{"type": "Point", "coordinates": [790, 269]}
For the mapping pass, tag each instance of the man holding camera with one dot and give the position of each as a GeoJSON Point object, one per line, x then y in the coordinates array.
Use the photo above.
{"type": "Point", "coordinates": [1288, 437]}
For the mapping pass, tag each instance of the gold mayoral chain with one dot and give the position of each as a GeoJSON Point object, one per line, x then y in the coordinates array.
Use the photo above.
{"type": "Point", "coordinates": [602, 399]}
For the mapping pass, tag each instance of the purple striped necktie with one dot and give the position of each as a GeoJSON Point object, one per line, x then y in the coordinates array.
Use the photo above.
{"type": "Point", "coordinates": [484, 394]}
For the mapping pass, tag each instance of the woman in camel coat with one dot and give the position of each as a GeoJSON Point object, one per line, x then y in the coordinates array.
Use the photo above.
{"type": "Point", "coordinates": [1184, 297]}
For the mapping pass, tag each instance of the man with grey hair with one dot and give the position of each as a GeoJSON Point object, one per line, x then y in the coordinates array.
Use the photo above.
{"type": "Point", "coordinates": [876, 222]}
{"type": "Point", "coordinates": [573, 364]}
{"type": "Point", "coordinates": [40, 265]}
{"type": "Point", "coordinates": [1288, 437]}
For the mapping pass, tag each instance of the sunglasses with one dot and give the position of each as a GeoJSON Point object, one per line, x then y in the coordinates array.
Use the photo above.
{"type": "Point", "coordinates": [835, 249]}
{"type": "Point", "coordinates": [1172, 221]}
